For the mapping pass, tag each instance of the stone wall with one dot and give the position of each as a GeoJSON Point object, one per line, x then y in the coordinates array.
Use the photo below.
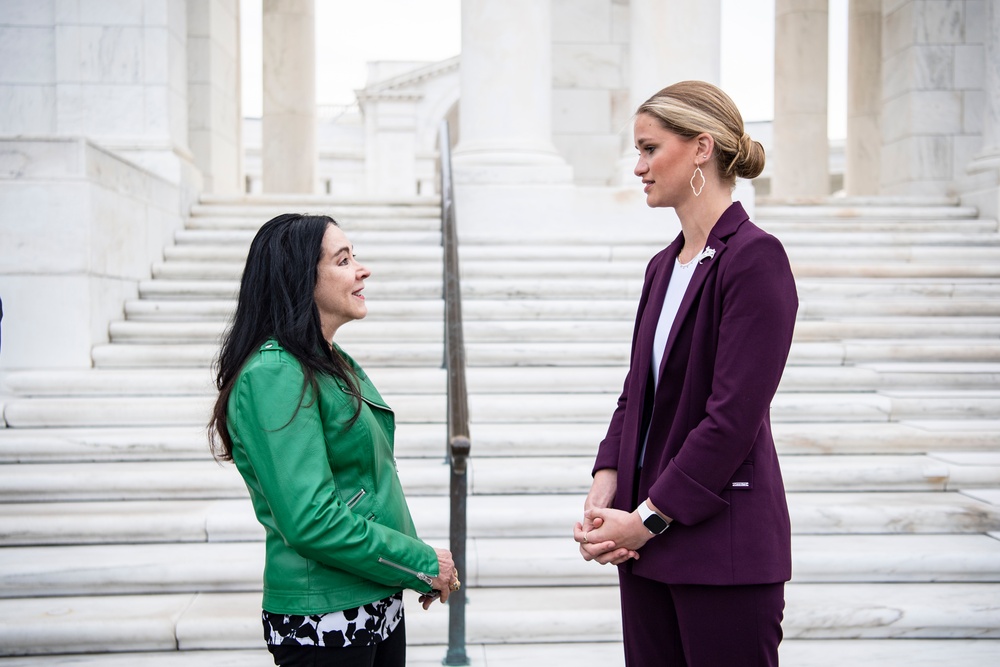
{"type": "Point", "coordinates": [79, 228]}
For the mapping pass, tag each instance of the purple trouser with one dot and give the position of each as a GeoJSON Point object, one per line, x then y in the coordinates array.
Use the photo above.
{"type": "Point", "coordinates": [684, 625]}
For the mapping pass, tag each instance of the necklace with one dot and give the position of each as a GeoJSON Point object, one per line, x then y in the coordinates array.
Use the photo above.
{"type": "Point", "coordinates": [688, 264]}
{"type": "Point", "coordinates": [707, 252]}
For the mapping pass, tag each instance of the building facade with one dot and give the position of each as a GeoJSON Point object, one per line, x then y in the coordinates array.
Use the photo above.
{"type": "Point", "coordinates": [117, 115]}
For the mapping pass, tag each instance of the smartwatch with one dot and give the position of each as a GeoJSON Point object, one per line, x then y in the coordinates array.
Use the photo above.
{"type": "Point", "coordinates": [653, 522]}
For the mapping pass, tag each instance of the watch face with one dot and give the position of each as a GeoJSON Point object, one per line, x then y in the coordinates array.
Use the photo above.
{"type": "Point", "coordinates": [655, 523]}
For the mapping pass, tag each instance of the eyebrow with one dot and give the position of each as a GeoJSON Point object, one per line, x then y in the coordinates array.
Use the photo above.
{"type": "Point", "coordinates": [348, 249]}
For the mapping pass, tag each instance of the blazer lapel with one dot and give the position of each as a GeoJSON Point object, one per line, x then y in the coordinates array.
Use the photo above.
{"type": "Point", "coordinates": [654, 304]}
{"type": "Point", "coordinates": [730, 221]}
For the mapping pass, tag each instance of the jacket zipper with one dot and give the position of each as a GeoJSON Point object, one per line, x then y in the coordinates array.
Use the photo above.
{"type": "Point", "coordinates": [419, 575]}
{"type": "Point", "coordinates": [355, 499]}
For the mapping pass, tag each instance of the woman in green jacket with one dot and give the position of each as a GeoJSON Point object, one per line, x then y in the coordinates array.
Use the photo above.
{"type": "Point", "coordinates": [313, 440]}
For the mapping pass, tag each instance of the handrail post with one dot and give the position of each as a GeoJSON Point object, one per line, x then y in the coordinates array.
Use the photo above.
{"type": "Point", "coordinates": [459, 447]}
{"type": "Point", "coordinates": [458, 444]}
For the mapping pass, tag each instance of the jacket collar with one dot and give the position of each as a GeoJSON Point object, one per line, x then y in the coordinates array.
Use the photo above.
{"type": "Point", "coordinates": [368, 391]}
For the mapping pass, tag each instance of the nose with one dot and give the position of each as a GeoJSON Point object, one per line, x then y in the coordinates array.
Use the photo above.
{"type": "Point", "coordinates": [363, 271]}
{"type": "Point", "coordinates": [640, 167]}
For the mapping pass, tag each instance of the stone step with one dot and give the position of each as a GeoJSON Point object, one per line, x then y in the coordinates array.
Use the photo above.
{"type": "Point", "coordinates": [423, 288]}
{"type": "Point", "coordinates": [359, 237]}
{"type": "Point", "coordinates": [494, 615]}
{"type": "Point", "coordinates": [898, 237]}
{"type": "Point", "coordinates": [627, 288]}
{"type": "Point", "coordinates": [314, 202]}
{"type": "Point", "coordinates": [791, 237]}
{"type": "Point", "coordinates": [137, 569]}
{"type": "Point", "coordinates": [833, 268]}
{"type": "Point", "coordinates": [954, 328]}
{"type": "Point", "coordinates": [381, 310]}
{"type": "Point", "coordinates": [490, 380]}
{"type": "Point", "coordinates": [382, 220]}
{"type": "Point", "coordinates": [49, 482]}
{"type": "Point", "coordinates": [157, 443]}
{"type": "Point", "coordinates": [780, 223]}
{"type": "Point", "coordinates": [481, 257]}
{"type": "Point", "coordinates": [571, 354]}
{"type": "Point", "coordinates": [236, 254]}
{"type": "Point", "coordinates": [807, 261]}
{"type": "Point", "coordinates": [526, 407]}
{"type": "Point", "coordinates": [380, 269]}
{"type": "Point", "coordinates": [865, 208]}
{"type": "Point", "coordinates": [497, 516]}
{"type": "Point", "coordinates": [38, 482]}
{"type": "Point", "coordinates": [555, 309]}
{"type": "Point", "coordinates": [799, 652]}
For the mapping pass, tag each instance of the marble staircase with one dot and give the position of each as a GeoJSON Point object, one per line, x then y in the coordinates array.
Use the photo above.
{"type": "Point", "coordinates": [120, 538]}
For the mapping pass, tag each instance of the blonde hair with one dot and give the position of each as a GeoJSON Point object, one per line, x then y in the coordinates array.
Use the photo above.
{"type": "Point", "coordinates": [689, 108]}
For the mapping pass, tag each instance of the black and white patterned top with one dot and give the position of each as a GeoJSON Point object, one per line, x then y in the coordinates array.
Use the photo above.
{"type": "Point", "coordinates": [362, 626]}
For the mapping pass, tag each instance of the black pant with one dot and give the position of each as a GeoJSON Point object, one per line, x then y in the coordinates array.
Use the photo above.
{"type": "Point", "coordinates": [388, 653]}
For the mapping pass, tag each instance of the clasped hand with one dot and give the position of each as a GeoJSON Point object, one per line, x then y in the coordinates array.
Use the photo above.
{"type": "Point", "coordinates": [610, 536]}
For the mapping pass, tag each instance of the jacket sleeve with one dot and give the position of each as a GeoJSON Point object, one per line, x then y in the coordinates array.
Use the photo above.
{"type": "Point", "coordinates": [759, 303]}
{"type": "Point", "coordinates": [282, 433]}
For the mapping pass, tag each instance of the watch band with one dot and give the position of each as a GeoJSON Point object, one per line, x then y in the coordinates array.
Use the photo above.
{"type": "Point", "coordinates": [653, 522]}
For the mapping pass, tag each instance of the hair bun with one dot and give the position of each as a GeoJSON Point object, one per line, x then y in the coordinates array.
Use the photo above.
{"type": "Point", "coordinates": [749, 162]}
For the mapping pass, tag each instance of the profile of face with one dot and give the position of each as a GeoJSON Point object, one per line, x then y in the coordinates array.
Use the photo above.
{"type": "Point", "coordinates": [340, 280]}
{"type": "Point", "coordinates": [666, 162]}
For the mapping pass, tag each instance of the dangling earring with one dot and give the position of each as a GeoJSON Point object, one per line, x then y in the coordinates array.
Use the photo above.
{"type": "Point", "coordinates": [698, 173]}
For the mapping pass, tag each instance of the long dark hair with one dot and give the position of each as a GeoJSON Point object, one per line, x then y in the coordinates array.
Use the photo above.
{"type": "Point", "coordinates": [277, 300]}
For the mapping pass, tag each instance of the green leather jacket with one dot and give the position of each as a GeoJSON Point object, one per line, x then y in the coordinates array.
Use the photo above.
{"type": "Point", "coordinates": [338, 531]}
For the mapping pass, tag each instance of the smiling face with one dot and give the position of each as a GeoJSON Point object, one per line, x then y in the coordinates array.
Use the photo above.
{"type": "Point", "coordinates": [340, 278]}
{"type": "Point", "coordinates": [666, 162]}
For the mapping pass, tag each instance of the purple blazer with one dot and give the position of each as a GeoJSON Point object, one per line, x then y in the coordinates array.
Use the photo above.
{"type": "Point", "coordinates": [710, 461]}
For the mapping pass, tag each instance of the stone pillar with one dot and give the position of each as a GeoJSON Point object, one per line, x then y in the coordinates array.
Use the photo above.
{"type": "Point", "coordinates": [932, 76]}
{"type": "Point", "coordinates": [862, 171]}
{"type": "Point", "coordinates": [506, 95]}
{"type": "Point", "coordinates": [288, 132]}
{"type": "Point", "coordinates": [671, 41]}
{"type": "Point", "coordinates": [801, 143]}
{"type": "Point", "coordinates": [985, 167]}
{"type": "Point", "coordinates": [215, 120]}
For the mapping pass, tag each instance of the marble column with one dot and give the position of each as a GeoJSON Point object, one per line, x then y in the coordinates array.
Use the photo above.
{"type": "Point", "coordinates": [932, 76]}
{"type": "Point", "coordinates": [801, 145]}
{"type": "Point", "coordinates": [288, 128]}
{"type": "Point", "coordinates": [986, 164]}
{"type": "Point", "coordinates": [214, 108]}
{"type": "Point", "coordinates": [671, 41]}
{"type": "Point", "coordinates": [864, 98]}
{"type": "Point", "coordinates": [506, 95]}
{"type": "Point", "coordinates": [991, 82]}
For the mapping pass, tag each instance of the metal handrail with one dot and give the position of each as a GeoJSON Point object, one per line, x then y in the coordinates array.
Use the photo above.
{"type": "Point", "coordinates": [459, 443]}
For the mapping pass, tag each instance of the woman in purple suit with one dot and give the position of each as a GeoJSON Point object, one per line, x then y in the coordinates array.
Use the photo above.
{"type": "Point", "coordinates": [687, 498]}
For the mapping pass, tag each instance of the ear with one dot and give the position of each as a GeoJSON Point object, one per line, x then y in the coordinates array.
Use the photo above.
{"type": "Point", "coordinates": [706, 144]}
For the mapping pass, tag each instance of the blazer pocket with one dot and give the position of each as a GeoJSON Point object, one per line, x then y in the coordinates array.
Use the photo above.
{"type": "Point", "coordinates": [743, 479]}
